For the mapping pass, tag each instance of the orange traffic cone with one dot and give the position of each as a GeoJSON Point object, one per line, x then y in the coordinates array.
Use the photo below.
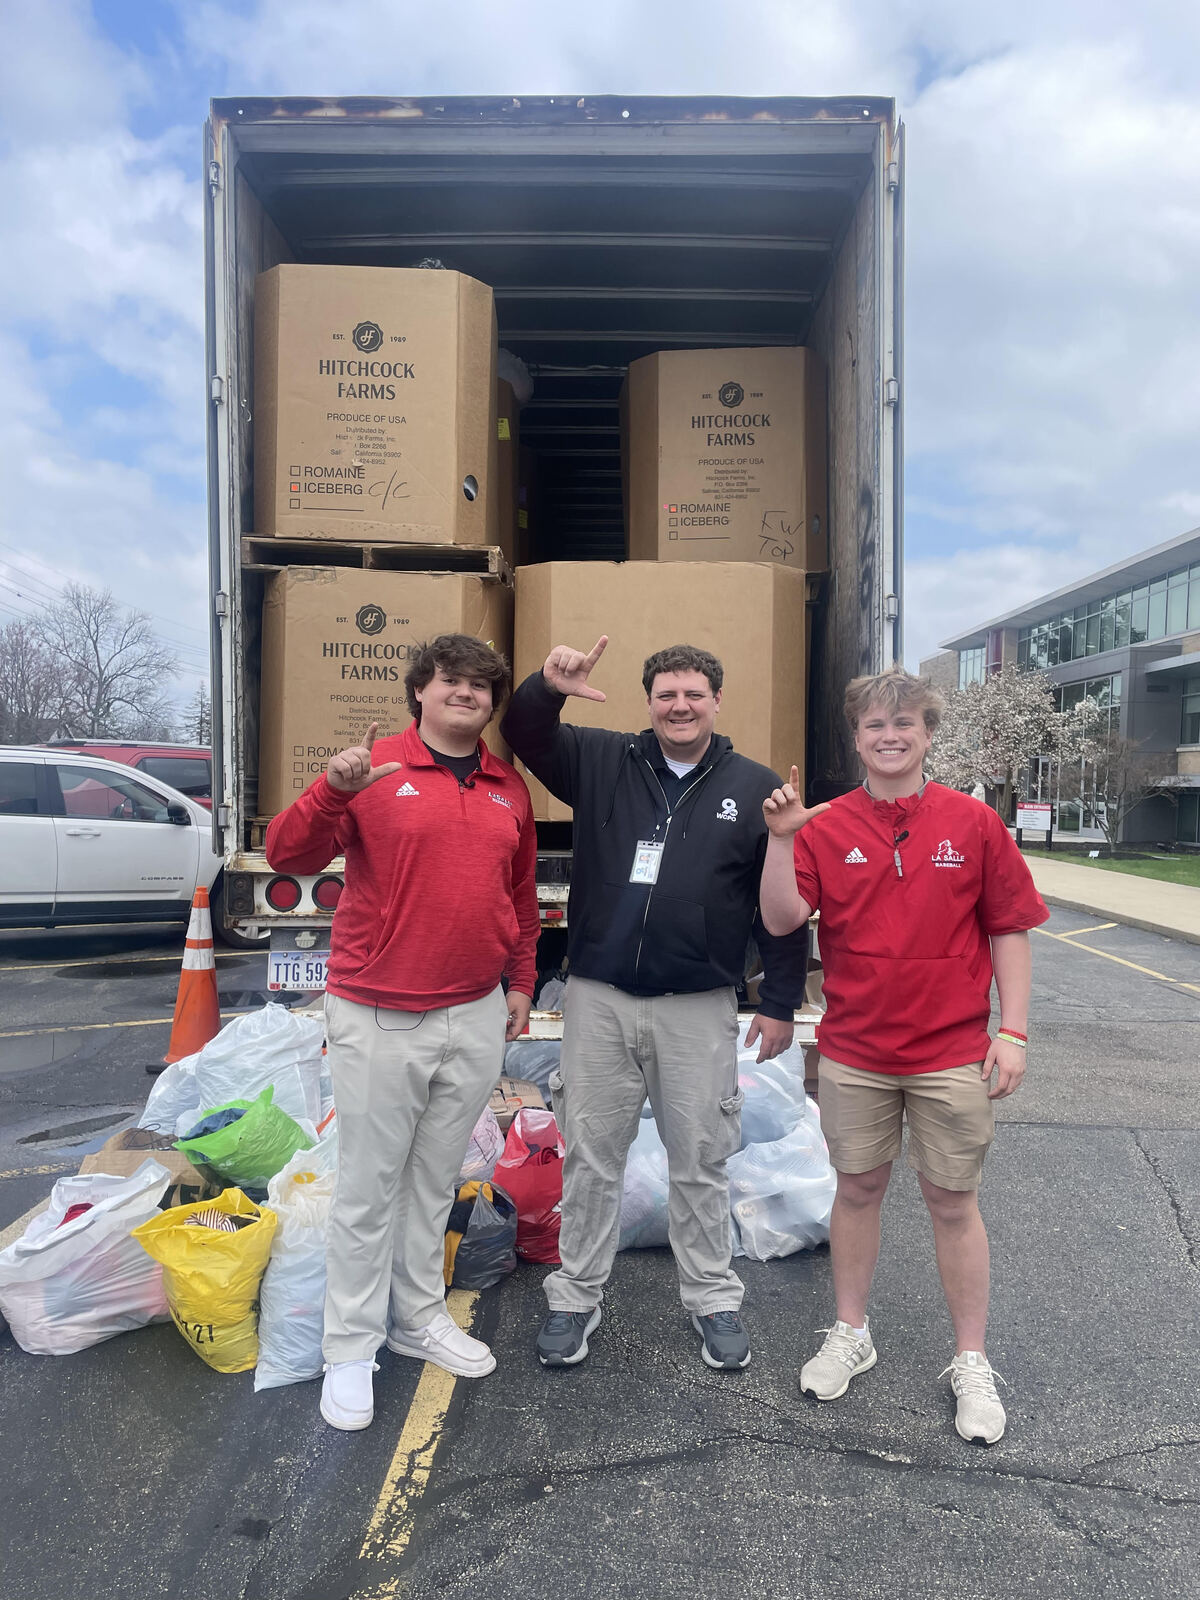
{"type": "Point", "coordinates": [197, 1008]}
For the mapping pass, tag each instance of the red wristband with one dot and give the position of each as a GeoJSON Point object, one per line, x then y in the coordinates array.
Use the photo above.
{"type": "Point", "coordinates": [1012, 1033]}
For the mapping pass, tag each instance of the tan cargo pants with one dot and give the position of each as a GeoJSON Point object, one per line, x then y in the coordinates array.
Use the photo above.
{"type": "Point", "coordinates": [681, 1050]}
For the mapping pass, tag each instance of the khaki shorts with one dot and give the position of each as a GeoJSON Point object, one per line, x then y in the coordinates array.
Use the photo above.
{"type": "Point", "coordinates": [950, 1120]}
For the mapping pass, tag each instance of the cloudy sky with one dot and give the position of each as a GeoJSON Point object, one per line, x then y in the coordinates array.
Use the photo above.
{"type": "Point", "coordinates": [1053, 218]}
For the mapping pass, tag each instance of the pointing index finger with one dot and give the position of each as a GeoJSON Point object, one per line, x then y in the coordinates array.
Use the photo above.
{"type": "Point", "coordinates": [596, 651]}
{"type": "Point", "coordinates": [794, 780]}
{"type": "Point", "coordinates": [371, 732]}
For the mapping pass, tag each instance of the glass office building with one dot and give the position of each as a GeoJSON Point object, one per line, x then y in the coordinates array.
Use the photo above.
{"type": "Point", "coordinates": [1130, 638]}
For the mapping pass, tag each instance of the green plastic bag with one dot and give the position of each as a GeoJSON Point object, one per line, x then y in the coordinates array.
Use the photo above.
{"type": "Point", "coordinates": [250, 1151]}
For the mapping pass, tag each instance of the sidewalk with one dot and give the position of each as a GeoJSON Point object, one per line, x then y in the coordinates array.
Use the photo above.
{"type": "Point", "coordinates": [1172, 909]}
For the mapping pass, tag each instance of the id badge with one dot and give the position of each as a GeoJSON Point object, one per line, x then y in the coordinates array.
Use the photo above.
{"type": "Point", "coordinates": [646, 860]}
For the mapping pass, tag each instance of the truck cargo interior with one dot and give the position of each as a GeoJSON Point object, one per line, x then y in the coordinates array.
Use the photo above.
{"type": "Point", "coordinates": [608, 229]}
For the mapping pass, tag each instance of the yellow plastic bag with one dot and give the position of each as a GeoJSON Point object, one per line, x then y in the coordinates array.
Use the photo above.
{"type": "Point", "coordinates": [212, 1278]}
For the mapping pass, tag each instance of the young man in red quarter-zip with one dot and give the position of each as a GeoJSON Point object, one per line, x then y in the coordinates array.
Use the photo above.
{"type": "Point", "coordinates": [440, 903]}
{"type": "Point", "coordinates": [924, 898]}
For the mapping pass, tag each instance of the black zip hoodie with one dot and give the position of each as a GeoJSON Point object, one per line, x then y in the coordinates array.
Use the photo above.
{"type": "Point", "coordinates": [690, 930]}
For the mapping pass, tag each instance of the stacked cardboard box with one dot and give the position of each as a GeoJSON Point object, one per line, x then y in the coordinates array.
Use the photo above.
{"type": "Point", "coordinates": [376, 424]}
{"type": "Point", "coordinates": [749, 614]}
{"type": "Point", "coordinates": [725, 457]}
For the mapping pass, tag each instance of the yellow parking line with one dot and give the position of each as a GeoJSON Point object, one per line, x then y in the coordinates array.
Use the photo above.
{"type": "Point", "coordinates": [107, 961]}
{"type": "Point", "coordinates": [89, 1027]}
{"type": "Point", "coordinates": [1066, 939]}
{"type": "Point", "coordinates": [391, 1525]}
{"type": "Point", "coordinates": [1075, 932]}
{"type": "Point", "coordinates": [33, 1172]}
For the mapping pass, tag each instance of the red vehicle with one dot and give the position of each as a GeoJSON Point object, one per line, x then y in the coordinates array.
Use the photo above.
{"type": "Point", "coordinates": [186, 767]}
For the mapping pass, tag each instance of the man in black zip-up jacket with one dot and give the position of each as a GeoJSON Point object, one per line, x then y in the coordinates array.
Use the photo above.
{"type": "Point", "coordinates": [668, 848]}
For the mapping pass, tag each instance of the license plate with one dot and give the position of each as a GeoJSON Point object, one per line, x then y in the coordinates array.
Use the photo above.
{"type": "Point", "coordinates": [289, 967]}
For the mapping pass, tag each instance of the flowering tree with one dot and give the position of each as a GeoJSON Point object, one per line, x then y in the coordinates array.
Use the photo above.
{"type": "Point", "coordinates": [993, 730]}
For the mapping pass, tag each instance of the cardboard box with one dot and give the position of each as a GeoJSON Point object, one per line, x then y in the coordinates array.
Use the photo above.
{"type": "Point", "coordinates": [374, 405]}
{"type": "Point", "coordinates": [336, 645]}
{"type": "Point", "coordinates": [749, 614]}
{"type": "Point", "coordinates": [512, 1095]}
{"type": "Point", "coordinates": [123, 1154]}
{"type": "Point", "coordinates": [725, 452]}
{"type": "Point", "coordinates": [508, 444]}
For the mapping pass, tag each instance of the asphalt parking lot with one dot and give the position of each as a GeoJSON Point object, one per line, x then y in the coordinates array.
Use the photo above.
{"type": "Point", "coordinates": [134, 1470]}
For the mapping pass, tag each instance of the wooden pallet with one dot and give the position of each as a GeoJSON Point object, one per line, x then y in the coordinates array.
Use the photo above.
{"type": "Point", "coordinates": [272, 555]}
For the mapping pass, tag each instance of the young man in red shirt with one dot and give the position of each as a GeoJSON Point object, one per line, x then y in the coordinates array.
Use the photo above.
{"type": "Point", "coordinates": [924, 898]}
{"type": "Point", "coordinates": [439, 903]}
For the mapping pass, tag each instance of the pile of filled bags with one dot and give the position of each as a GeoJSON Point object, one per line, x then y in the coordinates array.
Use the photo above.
{"type": "Point", "coordinates": [244, 1133]}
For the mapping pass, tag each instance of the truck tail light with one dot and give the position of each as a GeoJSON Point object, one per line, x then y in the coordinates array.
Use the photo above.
{"type": "Point", "coordinates": [552, 914]}
{"type": "Point", "coordinates": [327, 892]}
{"type": "Point", "coordinates": [283, 894]}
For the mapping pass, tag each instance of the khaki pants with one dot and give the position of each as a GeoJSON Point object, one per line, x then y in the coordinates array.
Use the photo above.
{"type": "Point", "coordinates": [409, 1087]}
{"type": "Point", "coordinates": [681, 1050]}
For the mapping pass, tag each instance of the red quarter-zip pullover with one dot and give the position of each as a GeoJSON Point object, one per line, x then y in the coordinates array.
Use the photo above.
{"type": "Point", "coordinates": [440, 898]}
{"type": "Point", "coordinates": [907, 964]}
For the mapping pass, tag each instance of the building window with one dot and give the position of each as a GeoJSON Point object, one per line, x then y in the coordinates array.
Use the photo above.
{"type": "Point", "coordinates": [1189, 733]}
{"type": "Point", "coordinates": [972, 666]}
{"type": "Point", "coordinates": [1166, 605]}
{"type": "Point", "coordinates": [1187, 818]}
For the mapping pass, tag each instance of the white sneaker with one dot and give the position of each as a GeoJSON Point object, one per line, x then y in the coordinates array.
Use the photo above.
{"type": "Point", "coordinates": [347, 1398]}
{"type": "Point", "coordinates": [444, 1343]}
{"type": "Point", "coordinates": [979, 1417]}
{"type": "Point", "coordinates": [843, 1356]}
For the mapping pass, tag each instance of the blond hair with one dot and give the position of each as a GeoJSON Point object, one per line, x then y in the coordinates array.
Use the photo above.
{"type": "Point", "coordinates": [892, 690]}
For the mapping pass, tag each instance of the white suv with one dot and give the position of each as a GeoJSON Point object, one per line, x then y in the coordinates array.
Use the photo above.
{"type": "Point", "coordinates": [84, 840]}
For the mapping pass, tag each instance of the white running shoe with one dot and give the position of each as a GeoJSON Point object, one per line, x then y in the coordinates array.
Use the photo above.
{"type": "Point", "coordinates": [842, 1357]}
{"type": "Point", "coordinates": [444, 1343]}
{"type": "Point", "coordinates": [347, 1395]}
{"type": "Point", "coordinates": [979, 1417]}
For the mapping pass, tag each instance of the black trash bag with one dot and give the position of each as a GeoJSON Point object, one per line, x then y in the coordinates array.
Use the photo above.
{"type": "Point", "coordinates": [481, 1237]}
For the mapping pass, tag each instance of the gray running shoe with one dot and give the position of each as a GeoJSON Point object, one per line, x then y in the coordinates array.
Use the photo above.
{"type": "Point", "coordinates": [726, 1343]}
{"type": "Point", "coordinates": [979, 1417]}
{"type": "Point", "coordinates": [563, 1338]}
{"type": "Point", "coordinates": [843, 1356]}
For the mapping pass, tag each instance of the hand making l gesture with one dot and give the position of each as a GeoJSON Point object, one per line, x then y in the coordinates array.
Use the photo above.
{"type": "Point", "coordinates": [351, 770]}
{"type": "Point", "coordinates": [566, 670]}
{"type": "Point", "coordinates": [785, 813]}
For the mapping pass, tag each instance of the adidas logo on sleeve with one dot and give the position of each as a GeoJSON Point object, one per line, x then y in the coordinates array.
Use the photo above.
{"type": "Point", "coordinates": [856, 858]}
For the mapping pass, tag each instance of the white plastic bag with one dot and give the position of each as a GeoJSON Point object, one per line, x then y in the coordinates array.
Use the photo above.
{"type": "Point", "coordinates": [291, 1301]}
{"type": "Point", "coordinates": [774, 1099]}
{"type": "Point", "coordinates": [484, 1150]}
{"type": "Point", "coordinates": [174, 1098]}
{"type": "Point", "coordinates": [644, 1196]}
{"type": "Point", "coordinates": [781, 1194]}
{"type": "Point", "coordinates": [270, 1046]}
{"type": "Point", "coordinates": [67, 1285]}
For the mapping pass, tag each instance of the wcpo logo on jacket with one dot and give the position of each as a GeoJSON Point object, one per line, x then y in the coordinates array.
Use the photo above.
{"type": "Point", "coordinates": [946, 855]}
{"type": "Point", "coordinates": [728, 811]}
{"type": "Point", "coordinates": [856, 858]}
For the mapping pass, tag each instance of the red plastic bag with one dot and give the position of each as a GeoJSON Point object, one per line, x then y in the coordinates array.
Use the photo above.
{"type": "Point", "coordinates": [530, 1172]}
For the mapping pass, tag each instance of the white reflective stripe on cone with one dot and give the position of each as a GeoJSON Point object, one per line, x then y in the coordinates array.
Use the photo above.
{"type": "Point", "coordinates": [198, 958]}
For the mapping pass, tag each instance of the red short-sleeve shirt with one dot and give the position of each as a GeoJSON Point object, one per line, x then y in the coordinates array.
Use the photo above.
{"type": "Point", "coordinates": [907, 964]}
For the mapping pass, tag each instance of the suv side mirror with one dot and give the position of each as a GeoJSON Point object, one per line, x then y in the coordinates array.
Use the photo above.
{"type": "Point", "coordinates": [180, 815]}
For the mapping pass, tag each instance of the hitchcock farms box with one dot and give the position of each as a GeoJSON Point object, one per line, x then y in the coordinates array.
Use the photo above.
{"type": "Point", "coordinates": [375, 405]}
{"type": "Point", "coordinates": [336, 646]}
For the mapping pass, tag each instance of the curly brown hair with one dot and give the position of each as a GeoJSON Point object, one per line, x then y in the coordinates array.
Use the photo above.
{"type": "Point", "coordinates": [463, 655]}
